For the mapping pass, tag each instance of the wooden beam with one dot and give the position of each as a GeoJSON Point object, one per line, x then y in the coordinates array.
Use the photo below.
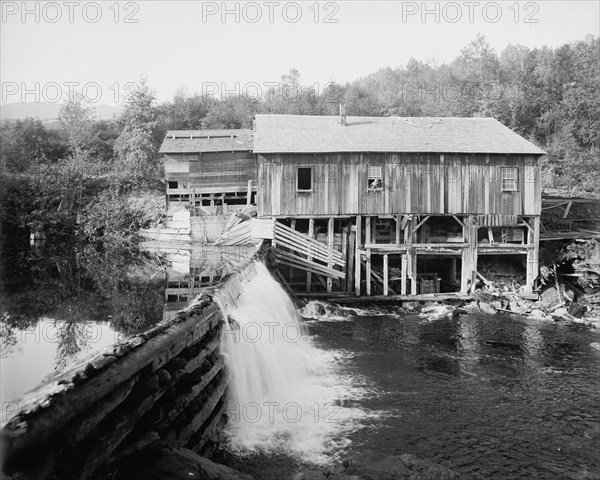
{"type": "Point", "coordinates": [311, 230]}
{"type": "Point", "coordinates": [453, 270]}
{"type": "Point", "coordinates": [413, 283]}
{"type": "Point", "coordinates": [405, 220]}
{"type": "Point", "coordinates": [566, 214]}
{"type": "Point", "coordinates": [459, 222]}
{"type": "Point", "coordinates": [469, 255]}
{"type": "Point", "coordinates": [533, 254]}
{"type": "Point", "coordinates": [351, 254]}
{"type": "Point", "coordinates": [526, 224]}
{"type": "Point", "coordinates": [368, 272]}
{"type": "Point", "coordinates": [344, 285]}
{"type": "Point", "coordinates": [293, 225]}
{"type": "Point", "coordinates": [403, 275]}
{"type": "Point", "coordinates": [397, 219]}
{"type": "Point", "coordinates": [490, 235]}
{"type": "Point", "coordinates": [330, 230]}
{"type": "Point", "coordinates": [385, 275]}
{"type": "Point", "coordinates": [556, 205]}
{"type": "Point", "coordinates": [419, 224]}
{"type": "Point", "coordinates": [249, 193]}
{"type": "Point", "coordinates": [357, 264]}
{"type": "Point", "coordinates": [368, 234]}
{"type": "Point", "coordinates": [424, 297]}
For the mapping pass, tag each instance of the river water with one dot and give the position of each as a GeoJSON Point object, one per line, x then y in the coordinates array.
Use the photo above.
{"type": "Point", "coordinates": [487, 396]}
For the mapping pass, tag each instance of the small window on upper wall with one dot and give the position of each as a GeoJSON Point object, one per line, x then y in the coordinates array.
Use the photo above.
{"type": "Point", "coordinates": [304, 179]}
{"type": "Point", "coordinates": [375, 182]}
{"type": "Point", "coordinates": [509, 179]}
{"type": "Point", "coordinates": [173, 184]}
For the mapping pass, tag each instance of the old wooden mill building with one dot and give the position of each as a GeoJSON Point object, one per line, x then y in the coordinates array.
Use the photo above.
{"type": "Point", "coordinates": [369, 205]}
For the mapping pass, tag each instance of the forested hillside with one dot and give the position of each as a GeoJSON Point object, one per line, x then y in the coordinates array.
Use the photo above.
{"type": "Point", "coordinates": [550, 96]}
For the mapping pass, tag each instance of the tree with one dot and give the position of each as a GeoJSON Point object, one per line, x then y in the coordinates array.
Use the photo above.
{"type": "Point", "coordinates": [26, 144]}
{"type": "Point", "coordinates": [136, 146]}
{"type": "Point", "coordinates": [76, 120]}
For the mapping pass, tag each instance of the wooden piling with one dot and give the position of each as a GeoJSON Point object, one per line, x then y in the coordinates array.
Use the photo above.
{"type": "Point", "coordinates": [357, 259]}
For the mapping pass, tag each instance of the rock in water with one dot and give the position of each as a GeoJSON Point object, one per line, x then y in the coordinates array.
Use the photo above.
{"type": "Point", "coordinates": [487, 308]}
{"type": "Point", "coordinates": [177, 464]}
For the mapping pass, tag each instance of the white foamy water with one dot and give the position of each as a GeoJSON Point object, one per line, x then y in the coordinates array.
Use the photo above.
{"type": "Point", "coordinates": [287, 395]}
{"type": "Point", "coordinates": [319, 310]}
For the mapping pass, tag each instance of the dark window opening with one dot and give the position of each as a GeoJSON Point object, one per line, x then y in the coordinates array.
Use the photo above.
{"type": "Point", "coordinates": [304, 181]}
{"type": "Point", "coordinates": [173, 184]}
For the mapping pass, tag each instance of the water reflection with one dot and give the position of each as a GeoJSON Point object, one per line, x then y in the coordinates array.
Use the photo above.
{"type": "Point", "coordinates": [64, 301]}
{"type": "Point", "coordinates": [189, 271]}
{"type": "Point", "coordinates": [33, 353]}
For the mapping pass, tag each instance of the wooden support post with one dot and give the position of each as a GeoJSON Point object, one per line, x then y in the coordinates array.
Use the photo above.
{"type": "Point", "coordinates": [411, 256]}
{"type": "Point", "coordinates": [453, 270]}
{"type": "Point", "coordinates": [311, 230]}
{"type": "Point", "coordinates": [249, 193]}
{"type": "Point", "coordinates": [368, 241]}
{"type": "Point", "coordinates": [368, 278]}
{"type": "Point", "coordinates": [344, 282]}
{"type": "Point", "coordinates": [397, 217]}
{"type": "Point", "coordinates": [469, 255]}
{"type": "Point", "coordinates": [385, 275]}
{"type": "Point", "coordinates": [403, 280]}
{"type": "Point", "coordinates": [413, 283]}
{"type": "Point", "coordinates": [351, 254]}
{"type": "Point", "coordinates": [330, 231]}
{"type": "Point", "coordinates": [357, 260]}
{"type": "Point", "coordinates": [533, 244]}
{"type": "Point", "coordinates": [290, 268]}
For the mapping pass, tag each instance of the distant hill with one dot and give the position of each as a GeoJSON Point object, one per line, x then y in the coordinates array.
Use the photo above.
{"type": "Point", "coordinates": [48, 112]}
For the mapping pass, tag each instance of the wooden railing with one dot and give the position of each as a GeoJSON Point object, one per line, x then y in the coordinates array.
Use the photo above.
{"type": "Point", "coordinates": [299, 250]}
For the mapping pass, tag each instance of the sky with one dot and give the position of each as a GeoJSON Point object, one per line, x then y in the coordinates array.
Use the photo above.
{"type": "Point", "coordinates": [103, 49]}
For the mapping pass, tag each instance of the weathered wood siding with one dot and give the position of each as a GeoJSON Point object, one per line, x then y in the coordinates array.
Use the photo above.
{"type": "Point", "coordinates": [412, 183]}
{"type": "Point", "coordinates": [212, 172]}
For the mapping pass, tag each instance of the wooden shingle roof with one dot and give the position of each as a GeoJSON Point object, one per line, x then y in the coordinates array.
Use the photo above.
{"type": "Point", "coordinates": [195, 141]}
{"type": "Point", "coordinates": [320, 134]}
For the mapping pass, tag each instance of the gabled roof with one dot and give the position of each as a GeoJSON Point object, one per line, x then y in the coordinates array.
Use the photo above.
{"type": "Point", "coordinates": [319, 134]}
{"type": "Point", "coordinates": [195, 141]}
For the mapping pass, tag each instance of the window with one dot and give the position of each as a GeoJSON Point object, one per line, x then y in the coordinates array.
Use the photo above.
{"type": "Point", "coordinates": [304, 179]}
{"type": "Point", "coordinates": [375, 181]}
{"type": "Point", "coordinates": [173, 184]}
{"type": "Point", "coordinates": [509, 179]}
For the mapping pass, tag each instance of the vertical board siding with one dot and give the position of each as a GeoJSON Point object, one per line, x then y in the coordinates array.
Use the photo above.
{"type": "Point", "coordinates": [217, 172]}
{"type": "Point", "coordinates": [412, 183]}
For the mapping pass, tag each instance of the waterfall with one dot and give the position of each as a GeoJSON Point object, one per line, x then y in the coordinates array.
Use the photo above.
{"type": "Point", "coordinates": [286, 394]}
